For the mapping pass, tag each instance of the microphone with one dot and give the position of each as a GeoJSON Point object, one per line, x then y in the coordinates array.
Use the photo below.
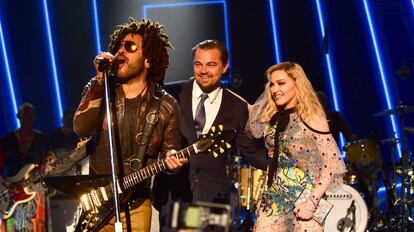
{"type": "Point", "coordinates": [104, 63]}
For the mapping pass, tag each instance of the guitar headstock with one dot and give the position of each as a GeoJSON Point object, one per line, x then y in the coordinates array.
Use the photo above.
{"type": "Point", "coordinates": [215, 140]}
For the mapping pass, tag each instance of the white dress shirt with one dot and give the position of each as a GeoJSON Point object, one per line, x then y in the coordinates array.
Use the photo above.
{"type": "Point", "coordinates": [211, 104]}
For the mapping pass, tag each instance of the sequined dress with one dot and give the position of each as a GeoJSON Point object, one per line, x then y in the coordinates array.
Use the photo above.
{"type": "Point", "coordinates": [307, 158]}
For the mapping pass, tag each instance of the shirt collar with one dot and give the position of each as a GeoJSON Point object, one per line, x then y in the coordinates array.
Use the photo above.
{"type": "Point", "coordinates": [212, 96]}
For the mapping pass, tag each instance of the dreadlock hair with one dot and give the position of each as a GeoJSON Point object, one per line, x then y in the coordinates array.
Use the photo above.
{"type": "Point", "coordinates": [154, 47]}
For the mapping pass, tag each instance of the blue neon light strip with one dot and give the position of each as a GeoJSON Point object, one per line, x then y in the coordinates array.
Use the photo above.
{"type": "Point", "coordinates": [226, 30]}
{"type": "Point", "coordinates": [177, 4]}
{"type": "Point", "coordinates": [272, 8]}
{"type": "Point", "coordinates": [9, 76]}
{"type": "Point", "coordinates": [96, 24]}
{"type": "Point", "coordinates": [384, 79]}
{"type": "Point", "coordinates": [412, 2]}
{"type": "Point", "coordinates": [52, 58]}
{"type": "Point", "coordinates": [382, 189]}
{"type": "Point", "coordinates": [332, 79]}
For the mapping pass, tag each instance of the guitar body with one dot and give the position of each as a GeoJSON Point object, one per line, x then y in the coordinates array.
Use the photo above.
{"type": "Point", "coordinates": [14, 193]}
{"type": "Point", "coordinates": [17, 189]}
{"type": "Point", "coordinates": [90, 221]}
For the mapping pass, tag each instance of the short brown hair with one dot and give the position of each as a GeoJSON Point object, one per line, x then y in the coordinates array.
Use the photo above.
{"type": "Point", "coordinates": [213, 44]}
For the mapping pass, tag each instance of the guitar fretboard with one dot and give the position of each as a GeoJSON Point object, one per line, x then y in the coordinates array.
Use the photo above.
{"type": "Point", "coordinates": [137, 177]}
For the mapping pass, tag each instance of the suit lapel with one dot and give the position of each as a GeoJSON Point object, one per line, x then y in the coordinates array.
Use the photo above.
{"type": "Point", "coordinates": [224, 106]}
{"type": "Point", "coordinates": [187, 112]}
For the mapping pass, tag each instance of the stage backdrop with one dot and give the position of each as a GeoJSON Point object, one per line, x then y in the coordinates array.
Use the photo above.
{"type": "Point", "coordinates": [359, 52]}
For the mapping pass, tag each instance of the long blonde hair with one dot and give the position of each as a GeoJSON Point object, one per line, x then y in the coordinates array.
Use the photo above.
{"type": "Point", "coordinates": [306, 98]}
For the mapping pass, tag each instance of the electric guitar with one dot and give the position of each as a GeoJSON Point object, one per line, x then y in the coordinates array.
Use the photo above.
{"type": "Point", "coordinates": [97, 204]}
{"type": "Point", "coordinates": [18, 189]}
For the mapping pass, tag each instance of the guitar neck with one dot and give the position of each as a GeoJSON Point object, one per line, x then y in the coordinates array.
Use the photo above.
{"type": "Point", "coordinates": [137, 177]}
{"type": "Point", "coordinates": [147, 172]}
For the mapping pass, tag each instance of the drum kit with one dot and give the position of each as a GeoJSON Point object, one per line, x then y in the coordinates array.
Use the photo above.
{"type": "Point", "coordinates": [356, 204]}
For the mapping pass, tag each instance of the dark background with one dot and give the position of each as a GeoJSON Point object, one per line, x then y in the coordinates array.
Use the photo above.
{"type": "Point", "coordinates": [348, 42]}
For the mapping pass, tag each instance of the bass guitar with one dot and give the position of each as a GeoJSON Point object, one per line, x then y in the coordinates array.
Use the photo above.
{"type": "Point", "coordinates": [97, 204]}
{"type": "Point", "coordinates": [19, 188]}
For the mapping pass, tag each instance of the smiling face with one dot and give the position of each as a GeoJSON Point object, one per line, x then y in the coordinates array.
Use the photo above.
{"type": "Point", "coordinates": [208, 68]}
{"type": "Point", "coordinates": [131, 59]}
{"type": "Point", "coordinates": [283, 89]}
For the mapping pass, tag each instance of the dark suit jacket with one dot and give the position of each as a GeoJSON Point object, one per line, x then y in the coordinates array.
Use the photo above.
{"type": "Point", "coordinates": [205, 178]}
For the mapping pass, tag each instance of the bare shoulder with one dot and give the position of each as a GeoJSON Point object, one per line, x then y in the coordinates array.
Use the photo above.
{"type": "Point", "coordinates": [319, 123]}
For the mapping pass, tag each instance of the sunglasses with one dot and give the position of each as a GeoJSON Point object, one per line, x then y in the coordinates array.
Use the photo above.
{"type": "Point", "coordinates": [129, 46]}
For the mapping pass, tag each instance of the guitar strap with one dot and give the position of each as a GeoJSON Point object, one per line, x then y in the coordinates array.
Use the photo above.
{"type": "Point", "coordinates": [151, 118]}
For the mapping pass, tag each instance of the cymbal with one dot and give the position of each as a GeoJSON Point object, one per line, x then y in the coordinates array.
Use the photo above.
{"type": "Point", "coordinates": [401, 109]}
{"type": "Point", "coordinates": [351, 177]}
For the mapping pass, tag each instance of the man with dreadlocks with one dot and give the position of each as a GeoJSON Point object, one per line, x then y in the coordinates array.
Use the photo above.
{"type": "Point", "coordinates": [140, 49]}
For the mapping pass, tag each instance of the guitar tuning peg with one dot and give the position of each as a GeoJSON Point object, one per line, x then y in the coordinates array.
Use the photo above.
{"type": "Point", "coordinates": [209, 150]}
{"type": "Point", "coordinates": [211, 134]}
{"type": "Point", "coordinates": [215, 154]}
{"type": "Point", "coordinates": [213, 129]}
{"type": "Point", "coordinates": [215, 145]}
{"type": "Point", "coordinates": [221, 150]}
{"type": "Point", "coordinates": [220, 127]}
{"type": "Point", "coordinates": [204, 136]}
{"type": "Point", "coordinates": [228, 145]}
{"type": "Point", "coordinates": [222, 141]}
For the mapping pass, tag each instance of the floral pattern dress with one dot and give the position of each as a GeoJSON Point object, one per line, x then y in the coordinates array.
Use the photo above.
{"type": "Point", "coordinates": [307, 158]}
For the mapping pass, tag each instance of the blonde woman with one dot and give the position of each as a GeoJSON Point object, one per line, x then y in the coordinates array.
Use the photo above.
{"type": "Point", "coordinates": [302, 152]}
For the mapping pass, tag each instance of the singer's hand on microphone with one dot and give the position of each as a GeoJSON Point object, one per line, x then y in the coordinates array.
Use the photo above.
{"type": "Point", "coordinates": [99, 58]}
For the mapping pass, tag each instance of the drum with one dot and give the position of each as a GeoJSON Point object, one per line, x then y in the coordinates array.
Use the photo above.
{"type": "Point", "coordinates": [348, 206]}
{"type": "Point", "coordinates": [252, 183]}
{"type": "Point", "coordinates": [362, 151]}
{"type": "Point", "coordinates": [351, 177]}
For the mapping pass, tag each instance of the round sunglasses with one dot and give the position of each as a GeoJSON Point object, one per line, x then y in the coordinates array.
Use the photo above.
{"type": "Point", "coordinates": [129, 46]}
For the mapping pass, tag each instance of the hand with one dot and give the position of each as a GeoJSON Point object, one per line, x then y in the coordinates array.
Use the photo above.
{"type": "Point", "coordinates": [174, 163]}
{"type": "Point", "coordinates": [304, 210]}
{"type": "Point", "coordinates": [270, 152]}
{"type": "Point", "coordinates": [105, 55]}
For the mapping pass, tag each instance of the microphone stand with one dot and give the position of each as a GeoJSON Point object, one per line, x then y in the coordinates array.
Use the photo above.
{"type": "Point", "coordinates": [109, 71]}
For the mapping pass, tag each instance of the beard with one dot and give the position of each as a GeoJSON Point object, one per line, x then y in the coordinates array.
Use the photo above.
{"type": "Point", "coordinates": [131, 72]}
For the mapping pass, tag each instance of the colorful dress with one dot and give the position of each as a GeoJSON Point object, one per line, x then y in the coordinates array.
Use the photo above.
{"type": "Point", "coordinates": [307, 158]}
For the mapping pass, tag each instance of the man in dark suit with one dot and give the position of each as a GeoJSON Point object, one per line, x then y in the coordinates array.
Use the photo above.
{"type": "Point", "coordinates": [205, 103]}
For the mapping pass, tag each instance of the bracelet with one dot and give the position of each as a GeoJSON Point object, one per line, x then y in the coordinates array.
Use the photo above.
{"type": "Point", "coordinates": [314, 203]}
{"type": "Point", "coordinates": [312, 211]}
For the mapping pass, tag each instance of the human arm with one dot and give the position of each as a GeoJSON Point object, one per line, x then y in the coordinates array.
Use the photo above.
{"type": "Point", "coordinates": [172, 136]}
{"type": "Point", "coordinates": [87, 115]}
{"type": "Point", "coordinates": [326, 165]}
{"type": "Point", "coordinates": [251, 149]}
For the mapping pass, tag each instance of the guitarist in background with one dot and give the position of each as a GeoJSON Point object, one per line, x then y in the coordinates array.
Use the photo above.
{"type": "Point", "coordinates": [139, 50]}
{"type": "Point", "coordinates": [21, 147]}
